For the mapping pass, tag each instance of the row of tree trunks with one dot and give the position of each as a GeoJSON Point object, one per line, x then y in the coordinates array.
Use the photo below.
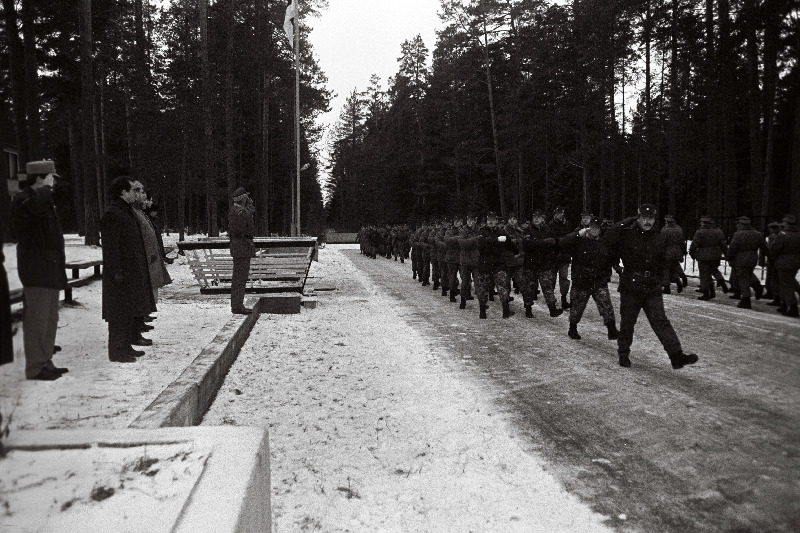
{"type": "Point", "coordinates": [17, 75]}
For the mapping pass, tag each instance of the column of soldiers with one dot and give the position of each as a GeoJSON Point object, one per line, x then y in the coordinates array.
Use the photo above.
{"type": "Point", "coordinates": [455, 255]}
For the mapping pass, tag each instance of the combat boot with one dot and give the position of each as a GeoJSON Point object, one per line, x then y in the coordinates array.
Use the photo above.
{"type": "Point", "coordinates": [666, 289]}
{"type": "Point", "coordinates": [790, 311]}
{"type": "Point", "coordinates": [735, 296]}
{"type": "Point", "coordinates": [491, 295]}
{"type": "Point", "coordinates": [613, 332]}
{"type": "Point", "coordinates": [712, 292]}
{"type": "Point", "coordinates": [435, 286]}
{"type": "Point", "coordinates": [535, 295]}
{"type": "Point", "coordinates": [507, 312]}
{"type": "Point", "coordinates": [681, 359]}
{"type": "Point", "coordinates": [705, 296]}
{"type": "Point", "coordinates": [463, 304]}
{"type": "Point", "coordinates": [564, 303]}
{"type": "Point", "coordinates": [744, 303]}
{"type": "Point", "coordinates": [768, 295]}
{"type": "Point", "coordinates": [723, 286]}
{"type": "Point", "coordinates": [444, 292]}
{"type": "Point", "coordinates": [573, 332]}
{"type": "Point", "coordinates": [483, 312]}
{"type": "Point", "coordinates": [685, 280]}
{"type": "Point", "coordinates": [555, 311]}
{"type": "Point", "coordinates": [776, 301]}
{"type": "Point", "coordinates": [759, 290]}
{"type": "Point", "coordinates": [624, 360]}
{"type": "Point", "coordinates": [452, 296]}
{"type": "Point", "coordinates": [679, 287]}
{"type": "Point", "coordinates": [528, 312]}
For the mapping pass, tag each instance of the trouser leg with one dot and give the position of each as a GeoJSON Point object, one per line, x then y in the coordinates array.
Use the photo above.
{"type": "Point", "coordinates": [563, 278]}
{"type": "Point", "coordinates": [119, 336]}
{"type": "Point", "coordinates": [426, 267]}
{"type": "Point", "coordinates": [706, 284]}
{"type": "Point", "coordinates": [602, 297]}
{"type": "Point", "coordinates": [547, 281]}
{"type": "Point", "coordinates": [483, 284]}
{"type": "Point", "coordinates": [466, 281]}
{"type": "Point", "coordinates": [241, 271]}
{"type": "Point", "coordinates": [435, 274]}
{"type": "Point", "coordinates": [654, 311]}
{"type": "Point", "coordinates": [452, 276]}
{"type": "Point", "coordinates": [629, 307]}
{"type": "Point", "coordinates": [39, 326]}
{"type": "Point", "coordinates": [744, 278]}
{"type": "Point", "coordinates": [579, 298]}
{"type": "Point", "coordinates": [527, 281]}
{"type": "Point", "coordinates": [788, 286]}
{"type": "Point", "coordinates": [718, 277]}
{"type": "Point", "coordinates": [502, 281]}
{"type": "Point", "coordinates": [444, 275]}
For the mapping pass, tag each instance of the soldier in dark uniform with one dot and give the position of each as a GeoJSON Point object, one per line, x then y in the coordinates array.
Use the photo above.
{"type": "Point", "coordinates": [641, 249]}
{"type": "Point", "coordinates": [773, 284]}
{"type": "Point", "coordinates": [468, 258]}
{"type": "Point", "coordinates": [675, 241]}
{"type": "Point", "coordinates": [707, 248]}
{"type": "Point", "coordinates": [451, 256]}
{"type": "Point", "coordinates": [514, 260]}
{"type": "Point", "coordinates": [241, 230]}
{"type": "Point", "coordinates": [591, 272]}
{"type": "Point", "coordinates": [559, 228]}
{"type": "Point", "coordinates": [540, 259]}
{"type": "Point", "coordinates": [786, 252]}
{"type": "Point", "coordinates": [747, 249]}
{"type": "Point", "coordinates": [492, 247]}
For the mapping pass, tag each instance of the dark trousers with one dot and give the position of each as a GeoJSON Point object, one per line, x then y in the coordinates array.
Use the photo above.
{"type": "Point", "coordinates": [436, 274]}
{"type": "Point", "coordinates": [673, 272]}
{"type": "Point", "coordinates": [425, 267]}
{"type": "Point", "coordinates": [468, 274]}
{"type": "Point", "coordinates": [120, 336]}
{"type": "Point", "coordinates": [773, 282]}
{"type": "Point", "coordinates": [561, 274]}
{"type": "Point", "coordinates": [452, 276]}
{"type": "Point", "coordinates": [39, 327]}
{"type": "Point", "coordinates": [444, 278]}
{"type": "Point", "coordinates": [706, 270]}
{"type": "Point", "coordinates": [788, 286]}
{"type": "Point", "coordinates": [742, 278]}
{"type": "Point", "coordinates": [241, 272]}
{"type": "Point", "coordinates": [653, 305]}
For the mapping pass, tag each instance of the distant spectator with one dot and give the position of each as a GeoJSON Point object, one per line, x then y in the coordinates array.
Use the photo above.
{"type": "Point", "coordinates": [242, 230]}
{"type": "Point", "coordinates": [41, 266]}
{"type": "Point", "coordinates": [6, 346]}
{"type": "Point", "coordinates": [127, 293]}
{"type": "Point", "coordinates": [151, 210]}
{"type": "Point", "coordinates": [159, 277]}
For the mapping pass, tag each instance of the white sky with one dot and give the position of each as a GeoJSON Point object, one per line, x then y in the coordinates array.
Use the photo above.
{"type": "Point", "coordinates": [354, 39]}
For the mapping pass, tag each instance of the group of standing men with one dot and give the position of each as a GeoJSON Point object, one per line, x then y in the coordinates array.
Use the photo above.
{"type": "Point", "coordinates": [133, 263]}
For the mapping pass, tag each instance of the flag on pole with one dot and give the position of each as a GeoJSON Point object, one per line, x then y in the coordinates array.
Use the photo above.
{"type": "Point", "coordinates": [288, 20]}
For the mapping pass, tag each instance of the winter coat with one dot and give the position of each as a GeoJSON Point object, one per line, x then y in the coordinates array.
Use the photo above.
{"type": "Point", "coordinates": [6, 346]}
{"type": "Point", "coordinates": [451, 242]}
{"type": "Point", "coordinates": [786, 250]}
{"type": "Point", "coordinates": [591, 260]}
{"type": "Point", "coordinates": [492, 252]}
{"type": "Point", "coordinates": [241, 230]}
{"type": "Point", "coordinates": [675, 241]}
{"type": "Point", "coordinates": [159, 277]}
{"type": "Point", "coordinates": [745, 248]}
{"type": "Point", "coordinates": [40, 243]}
{"type": "Point", "coordinates": [708, 244]}
{"type": "Point", "coordinates": [560, 229]}
{"type": "Point", "coordinates": [439, 245]}
{"type": "Point", "coordinates": [541, 251]}
{"type": "Point", "coordinates": [643, 255]}
{"type": "Point", "coordinates": [468, 242]}
{"type": "Point", "coordinates": [516, 235]}
{"type": "Point", "coordinates": [127, 292]}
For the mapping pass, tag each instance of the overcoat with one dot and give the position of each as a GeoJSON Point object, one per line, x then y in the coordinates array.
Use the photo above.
{"type": "Point", "coordinates": [745, 247]}
{"type": "Point", "coordinates": [643, 255]}
{"type": "Point", "coordinates": [786, 249]}
{"type": "Point", "coordinates": [708, 244]}
{"type": "Point", "coordinates": [241, 229]}
{"type": "Point", "coordinates": [127, 290]}
{"type": "Point", "coordinates": [541, 252]}
{"type": "Point", "coordinates": [675, 241]}
{"type": "Point", "coordinates": [591, 260]}
{"type": "Point", "coordinates": [6, 345]}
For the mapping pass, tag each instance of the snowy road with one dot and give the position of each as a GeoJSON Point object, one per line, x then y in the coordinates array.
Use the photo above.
{"type": "Point", "coordinates": [713, 447]}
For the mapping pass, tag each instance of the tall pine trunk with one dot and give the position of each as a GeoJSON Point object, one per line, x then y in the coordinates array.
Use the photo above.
{"type": "Point", "coordinates": [754, 100]}
{"type": "Point", "coordinates": [87, 125]}
{"type": "Point", "coordinates": [76, 166]}
{"type": "Point", "coordinates": [17, 75]}
{"type": "Point", "coordinates": [771, 38]}
{"type": "Point", "coordinates": [727, 80]}
{"type": "Point", "coordinates": [208, 157]}
{"type": "Point", "coordinates": [230, 163]}
{"type": "Point", "coordinates": [31, 81]}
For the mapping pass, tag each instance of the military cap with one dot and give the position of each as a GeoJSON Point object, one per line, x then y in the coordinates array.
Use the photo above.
{"type": "Point", "coordinates": [773, 225]}
{"type": "Point", "coordinates": [586, 214]}
{"type": "Point", "coordinates": [669, 218]}
{"type": "Point", "coordinates": [648, 210]}
{"type": "Point", "coordinates": [241, 191]}
{"type": "Point", "coordinates": [537, 213]}
{"type": "Point", "coordinates": [595, 221]}
{"type": "Point", "coordinates": [558, 209]}
{"type": "Point", "coordinates": [511, 215]}
{"type": "Point", "coordinates": [491, 214]}
{"type": "Point", "coordinates": [790, 219]}
{"type": "Point", "coordinates": [743, 220]}
{"type": "Point", "coordinates": [707, 219]}
{"type": "Point", "coordinates": [41, 167]}
{"type": "Point", "coordinates": [472, 216]}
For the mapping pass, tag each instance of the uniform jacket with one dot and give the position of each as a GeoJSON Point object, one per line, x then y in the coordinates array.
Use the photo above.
{"type": "Point", "coordinates": [40, 243]}
{"type": "Point", "coordinates": [540, 253]}
{"type": "Point", "coordinates": [127, 292]}
{"type": "Point", "coordinates": [451, 242]}
{"type": "Point", "coordinates": [515, 259]}
{"type": "Point", "coordinates": [468, 243]}
{"type": "Point", "coordinates": [591, 260]}
{"type": "Point", "coordinates": [441, 245]}
{"type": "Point", "coordinates": [643, 255]}
{"type": "Point", "coordinates": [560, 229]}
{"type": "Point", "coordinates": [492, 252]}
{"type": "Point", "coordinates": [786, 249]}
{"type": "Point", "coordinates": [745, 247]}
{"type": "Point", "coordinates": [675, 241]}
{"type": "Point", "coordinates": [241, 230]}
{"type": "Point", "coordinates": [708, 244]}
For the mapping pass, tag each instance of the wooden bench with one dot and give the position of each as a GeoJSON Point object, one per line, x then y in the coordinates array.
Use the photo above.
{"type": "Point", "coordinates": [280, 265]}
{"type": "Point", "coordinates": [77, 281]}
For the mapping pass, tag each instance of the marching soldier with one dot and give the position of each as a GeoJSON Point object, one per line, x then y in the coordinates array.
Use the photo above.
{"type": "Point", "coordinates": [773, 284]}
{"type": "Point", "coordinates": [540, 259]}
{"type": "Point", "coordinates": [786, 251]}
{"type": "Point", "coordinates": [675, 241]}
{"type": "Point", "coordinates": [514, 260]}
{"type": "Point", "coordinates": [451, 256]}
{"type": "Point", "coordinates": [642, 250]}
{"type": "Point", "coordinates": [492, 246]}
{"type": "Point", "coordinates": [747, 249]}
{"type": "Point", "coordinates": [441, 255]}
{"type": "Point", "coordinates": [591, 272]}
{"type": "Point", "coordinates": [560, 228]}
{"type": "Point", "coordinates": [468, 258]}
{"type": "Point", "coordinates": [707, 248]}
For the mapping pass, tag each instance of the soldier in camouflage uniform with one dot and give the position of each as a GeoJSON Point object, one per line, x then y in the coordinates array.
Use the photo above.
{"type": "Point", "coordinates": [400, 242]}
{"type": "Point", "coordinates": [434, 256]}
{"type": "Point", "coordinates": [514, 261]}
{"type": "Point", "coordinates": [441, 256]}
{"type": "Point", "coordinates": [540, 259]}
{"type": "Point", "coordinates": [416, 271]}
{"type": "Point", "coordinates": [560, 228]}
{"type": "Point", "coordinates": [425, 248]}
{"type": "Point", "coordinates": [591, 272]}
{"type": "Point", "coordinates": [468, 258]}
{"type": "Point", "coordinates": [451, 256]}
{"type": "Point", "coordinates": [492, 247]}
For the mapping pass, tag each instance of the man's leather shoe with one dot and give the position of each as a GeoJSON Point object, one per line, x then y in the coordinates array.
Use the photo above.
{"type": "Point", "coordinates": [141, 341]}
{"type": "Point", "coordinates": [121, 358]}
{"type": "Point", "coordinates": [58, 370]}
{"type": "Point", "coordinates": [149, 318]}
{"type": "Point", "coordinates": [680, 360]}
{"type": "Point", "coordinates": [242, 311]}
{"type": "Point", "coordinates": [146, 327]}
{"type": "Point", "coordinates": [136, 353]}
{"type": "Point", "coordinates": [56, 348]}
{"type": "Point", "coordinates": [624, 361]}
{"type": "Point", "coordinates": [46, 375]}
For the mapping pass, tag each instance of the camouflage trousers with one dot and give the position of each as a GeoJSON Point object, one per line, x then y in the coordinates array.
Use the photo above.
{"type": "Point", "coordinates": [444, 275]}
{"type": "Point", "coordinates": [415, 261]}
{"type": "Point", "coordinates": [469, 274]}
{"type": "Point", "coordinates": [435, 272]}
{"type": "Point", "coordinates": [562, 272]}
{"type": "Point", "coordinates": [545, 278]}
{"type": "Point", "coordinates": [601, 296]}
{"type": "Point", "coordinates": [515, 273]}
{"type": "Point", "coordinates": [452, 276]}
{"type": "Point", "coordinates": [485, 280]}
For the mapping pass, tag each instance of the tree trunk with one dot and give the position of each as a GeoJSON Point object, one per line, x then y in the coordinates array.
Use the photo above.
{"type": "Point", "coordinates": [794, 207]}
{"type": "Point", "coordinates": [713, 188]}
{"type": "Point", "coordinates": [501, 189]}
{"type": "Point", "coordinates": [17, 74]}
{"type": "Point", "coordinates": [31, 81]}
{"type": "Point", "coordinates": [208, 156]}
{"type": "Point", "coordinates": [77, 172]}
{"type": "Point", "coordinates": [644, 166]}
{"type": "Point", "coordinates": [754, 100]}
{"type": "Point", "coordinates": [262, 175]}
{"type": "Point", "coordinates": [727, 81]}
{"type": "Point", "coordinates": [674, 113]}
{"type": "Point", "coordinates": [771, 38]}
{"type": "Point", "coordinates": [230, 163]}
{"type": "Point", "coordinates": [87, 125]}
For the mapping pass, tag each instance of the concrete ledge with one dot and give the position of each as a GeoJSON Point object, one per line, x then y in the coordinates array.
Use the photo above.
{"type": "Point", "coordinates": [280, 304]}
{"type": "Point", "coordinates": [232, 495]}
{"type": "Point", "coordinates": [185, 401]}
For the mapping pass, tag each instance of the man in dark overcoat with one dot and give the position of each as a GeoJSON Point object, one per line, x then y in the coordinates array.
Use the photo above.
{"type": "Point", "coordinates": [747, 249]}
{"type": "Point", "coordinates": [675, 240]}
{"type": "Point", "coordinates": [786, 252]}
{"type": "Point", "coordinates": [241, 229]}
{"type": "Point", "coordinates": [707, 248]}
{"type": "Point", "coordinates": [642, 250]}
{"type": "Point", "coordinates": [559, 227]}
{"type": "Point", "coordinates": [6, 345]}
{"type": "Point", "coordinates": [127, 293]}
{"type": "Point", "coordinates": [40, 263]}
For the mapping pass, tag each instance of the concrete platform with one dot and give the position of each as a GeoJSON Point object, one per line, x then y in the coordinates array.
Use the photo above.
{"type": "Point", "coordinates": [280, 303]}
{"type": "Point", "coordinates": [232, 495]}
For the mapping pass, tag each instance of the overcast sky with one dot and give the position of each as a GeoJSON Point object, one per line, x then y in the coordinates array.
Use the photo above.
{"type": "Point", "coordinates": [354, 39]}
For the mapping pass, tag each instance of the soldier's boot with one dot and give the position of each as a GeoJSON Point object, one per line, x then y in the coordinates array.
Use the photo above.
{"type": "Point", "coordinates": [444, 292]}
{"type": "Point", "coordinates": [402, 260]}
{"type": "Point", "coordinates": [453, 296]}
{"type": "Point", "coordinates": [768, 294]}
{"type": "Point", "coordinates": [413, 274]}
{"type": "Point", "coordinates": [706, 296]}
{"type": "Point", "coordinates": [685, 280]}
{"type": "Point", "coordinates": [463, 304]}
{"type": "Point", "coordinates": [435, 285]}
{"type": "Point", "coordinates": [793, 311]}
{"type": "Point", "coordinates": [573, 332]}
{"type": "Point", "coordinates": [759, 290]}
{"type": "Point", "coordinates": [491, 295]}
{"type": "Point", "coordinates": [426, 283]}
{"type": "Point", "coordinates": [723, 286]}
{"type": "Point", "coordinates": [744, 303]}
{"type": "Point", "coordinates": [613, 332]}
{"type": "Point", "coordinates": [624, 360]}
{"type": "Point", "coordinates": [483, 312]}
{"type": "Point", "coordinates": [507, 312]}
{"type": "Point", "coordinates": [712, 292]}
{"type": "Point", "coordinates": [666, 289]}
{"type": "Point", "coordinates": [776, 301]}
{"type": "Point", "coordinates": [735, 296]}
{"type": "Point", "coordinates": [680, 359]}
{"type": "Point", "coordinates": [535, 295]}
{"type": "Point", "coordinates": [528, 312]}
{"type": "Point", "coordinates": [555, 311]}
{"type": "Point", "coordinates": [564, 303]}
{"type": "Point", "coordinates": [679, 287]}
{"type": "Point", "coordinates": [455, 292]}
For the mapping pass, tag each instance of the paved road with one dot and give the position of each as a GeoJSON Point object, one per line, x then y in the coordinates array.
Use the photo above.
{"type": "Point", "coordinates": [713, 447]}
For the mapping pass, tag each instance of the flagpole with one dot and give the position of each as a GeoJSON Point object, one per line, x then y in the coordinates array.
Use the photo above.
{"type": "Point", "coordinates": [297, 116]}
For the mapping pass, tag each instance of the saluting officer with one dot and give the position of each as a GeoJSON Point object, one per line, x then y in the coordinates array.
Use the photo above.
{"type": "Point", "coordinates": [241, 230]}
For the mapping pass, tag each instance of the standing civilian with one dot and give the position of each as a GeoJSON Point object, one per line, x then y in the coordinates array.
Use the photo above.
{"type": "Point", "coordinates": [241, 229]}
{"type": "Point", "coordinates": [40, 263]}
{"type": "Point", "coordinates": [127, 293]}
